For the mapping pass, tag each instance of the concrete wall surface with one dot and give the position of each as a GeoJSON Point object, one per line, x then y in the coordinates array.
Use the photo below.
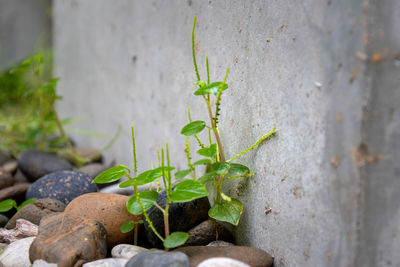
{"type": "Point", "coordinates": [326, 73]}
{"type": "Point", "coordinates": [25, 26]}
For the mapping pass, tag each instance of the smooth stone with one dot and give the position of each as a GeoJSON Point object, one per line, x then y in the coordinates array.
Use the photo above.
{"type": "Point", "coordinates": [3, 247]}
{"type": "Point", "coordinates": [109, 262]}
{"type": "Point", "coordinates": [69, 240]}
{"type": "Point", "coordinates": [62, 185]}
{"type": "Point", "coordinates": [16, 192]}
{"type": "Point", "coordinates": [159, 258]}
{"type": "Point", "coordinates": [10, 166]}
{"type": "Point", "coordinates": [182, 217]}
{"type": "Point", "coordinates": [4, 157]}
{"type": "Point", "coordinates": [108, 209]}
{"type": "Point", "coordinates": [222, 262]}
{"type": "Point", "coordinates": [252, 256]}
{"type": "Point", "coordinates": [6, 179]}
{"type": "Point", "coordinates": [19, 177]}
{"type": "Point", "coordinates": [3, 220]}
{"type": "Point", "coordinates": [87, 152]}
{"type": "Point", "coordinates": [34, 212]}
{"type": "Point", "coordinates": [35, 164]}
{"type": "Point", "coordinates": [220, 243]}
{"type": "Point", "coordinates": [16, 254]}
{"type": "Point", "coordinates": [42, 263]}
{"type": "Point", "coordinates": [206, 232]}
{"type": "Point", "coordinates": [127, 191]}
{"type": "Point", "coordinates": [92, 169]}
{"type": "Point", "coordinates": [126, 251]}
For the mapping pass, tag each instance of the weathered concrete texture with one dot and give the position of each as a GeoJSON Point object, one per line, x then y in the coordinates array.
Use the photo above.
{"type": "Point", "coordinates": [25, 26]}
{"type": "Point", "coordinates": [324, 72]}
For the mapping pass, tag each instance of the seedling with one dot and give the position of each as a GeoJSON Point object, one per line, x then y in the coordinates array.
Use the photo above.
{"type": "Point", "coordinates": [8, 204]}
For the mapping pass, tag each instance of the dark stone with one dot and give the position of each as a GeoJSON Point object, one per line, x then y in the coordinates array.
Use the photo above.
{"type": "Point", "coordinates": [207, 232]}
{"type": "Point", "coordinates": [252, 256]}
{"type": "Point", "coordinates": [62, 185]}
{"type": "Point", "coordinates": [182, 217]}
{"type": "Point", "coordinates": [3, 220]}
{"type": "Point", "coordinates": [4, 157]}
{"type": "Point", "coordinates": [35, 164]}
{"type": "Point", "coordinates": [34, 212]}
{"type": "Point", "coordinates": [69, 240]}
{"type": "Point", "coordinates": [16, 192]}
{"type": "Point", "coordinates": [19, 177]}
{"type": "Point", "coordinates": [6, 179]}
{"type": "Point", "coordinates": [159, 258]}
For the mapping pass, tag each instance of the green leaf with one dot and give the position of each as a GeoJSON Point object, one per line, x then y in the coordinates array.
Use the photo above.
{"type": "Point", "coordinates": [26, 202]}
{"type": "Point", "coordinates": [220, 167]}
{"type": "Point", "coordinates": [148, 198]}
{"type": "Point", "coordinates": [208, 151]}
{"type": "Point", "coordinates": [176, 239]}
{"type": "Point", "coordinates": [237, 168]}
{"type": "Point", "coordinates": [227, 211]}
{"type": "Point", "coordinates": [111, 175]}
{"type": "Point", "coordinates": [202, 162]}
{"type": "Point", "coordinates": [193, 128]}
{"type": "Point", "coordinates": [188, 190]}
{"type": "Point", "coordinates": [200, 82]}
{"type": "Point", "coordinates": [212, 88]}
{"type": "Point", "coordinates": [127, 227]}
{"type": "Point", "coordinates": [127, 183]}
{"type": "Point", "coordinates": [181, 174]}
{"type": "Point", "coordinates": [146, 177]}
{"type": "Point", "coordinates": [7, 204]}
{"type": "Point", "coordinates": [208, 177]}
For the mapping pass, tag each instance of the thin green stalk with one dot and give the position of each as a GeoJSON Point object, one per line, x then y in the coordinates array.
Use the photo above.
{"type": "Point", "coordinates": [218, 102]}
{"type": "Point", "coordinates": [195, 136]}
{"type": "Point", "coordinates": [135, 189]}
{"type": "Point", "coordinates": [208, 71]}
{"type": "Point", "coordinates": [194, 52]}
{"type": "Point", "coordinates": [238, 176]}
{"type": "Point", "coordinates": [265, 136]}
{"type": "Point", "coordinates": [147, 217]}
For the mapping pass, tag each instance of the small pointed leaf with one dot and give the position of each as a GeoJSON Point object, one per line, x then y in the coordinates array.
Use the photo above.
{"type": "Point", "coordinates": [127, 227]}
{"type": "Point", "coordinates": [111, 175]}
{"type": "Point", "coordinates": [208, 151]}
{"type": "Point", "coordinates": [7, 204]}
{"type": "Point", "coordinates": [227, 211]}
{"type": "Point", "coordinates": [26, 202]}
{"type": "Point", "coordinates": [220, 167]}
{"type": "Point", "coordinates": [202, 162]}
{"type": "Point", "coordinates": [148, 198]}
{"type": "Point", "coordinates": [236, 168]}
{"type": "Point", "coordinates": [193, 128]}
{"type": "Point", "coordinates": [187, 191]}
{"type": "Point", "coordinates": [212, 88]}
{"type": "Point", "coordinates": [208, 177]}
{"type": "Point", "coordinates": [176, 239]}
{"type": "Point", "coordinates": [181, 174]}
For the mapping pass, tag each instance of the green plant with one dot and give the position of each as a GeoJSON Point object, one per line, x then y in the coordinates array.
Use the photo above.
{"type": "Point", "coordinates": [8, 204]}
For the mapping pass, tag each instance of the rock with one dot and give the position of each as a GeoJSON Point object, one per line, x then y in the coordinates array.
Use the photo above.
{"type": "Point", "coordinates": [10, 166]}
{"type": "Point", "coordinates": [62, 185]}
{"type": "Point", "coordinates": [69, 240]}
{"type": "Point", "coordinates": [6, 179]}
{"type": "Point", "coordinates": [159, 258]}
{"type": "Point", "coordinates": [222, 262]}
{"type": "Point", "coordinates": [126, 251]}
{"type": "Point", "coordinates": [23, 229]}
{"type": "Point", "coordinates": [35, 164]}
{"type": "Point", "coordinates": [92, 169]}
{"type": "Point", "coordinates": [16, 192]}
{"type": "Point", "coordinates": [182, 217]}
{"type": "Point", "coordinates": [252, 256]}
{"type": "Point", "coordinates": [4, 157]}
{"type": "Point", "coordinates": [19, 177]}
{"type": "Point", "coordinates": [109, 262]}
{"type": "Point", "coordinates": [16, 254]}
{"type": "Point", "coordinates": [3, 220]}
{"type": "Point", "coordinates": [206, 232]}
{"type": "Point", "coordinates": [42, 263]}
{"type": "Point", "coordinates": [2, 247]}
{"type": "Point", "coordinates": [88, 152]}
{"type": "Point", "coordinates": [108, 209]}
{"type": "Point", "coordinates": [34, 212]}
{"type": "Point", "coordinates": [220, 243]}
{"type": "Point", "coordinates": [115, 189]}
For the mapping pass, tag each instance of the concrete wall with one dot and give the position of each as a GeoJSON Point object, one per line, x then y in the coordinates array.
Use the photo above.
{"type": "Point", "coordinates": [25, 27]}
{"type": "Point", "coordinates": [326, 73]}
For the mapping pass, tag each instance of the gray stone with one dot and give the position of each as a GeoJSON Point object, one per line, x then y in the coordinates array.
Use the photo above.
{"type": "Point", "coordinates": [3, 220]}
{"type": "Point", "coordinates": [16, 254]}
{"type": "Point", "coordinates": [222, 262]}
{"type": "Point", "coordinates": [10, 166]}
{"type": "Point", "coordinates": [159, 259]}
{"type": "Point", "coordinates": [16, 192]}
{"type": "Point", "coordinates": [219, 243]}
{"type": "Point", "coordinates": [109, 262]}
{"type": "Point", "coordinates": [4, 157]}
{"type": "Point", "coordinates": [92, 169]}
{"type": "Point", "coordinates": [43, 263]}
{"type": "Point", "coordinates": [126, 251]}
{"type": "Point", "coordinates": [19, 177]}
{"type": "Point", "coordinates": [6, 179]}
{"type": "Point", "coordinates": [206, 232]}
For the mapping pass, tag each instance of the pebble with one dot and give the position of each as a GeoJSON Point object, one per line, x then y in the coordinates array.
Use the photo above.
{"type": "Point", "coordinates": [128, 191]}
{"type": "Point", "coordinates": [184, 216]}
{"type": "Point", "coordinates": [6, 179]}
{"type": "Point", "coordinates": [126, 251]}
{"type": "Point", "coordinates": [92, 169]}
{"type": "Point", "coordinates": [87, 152]}
{"type": "Point", "coordinates": [16, 254]}
{"type": "Point", "coordinates": [69, 240]}
{"type": "Point", "coordinates": [206, 232]}
{"type": "Point", "coordinates": [3, 220]}
{"type": "Point", "coordinates": [109, 262]}
{"type": "Point", "coordinates": [42, 263]}
{"type": "Point", "coordinates": [4, 157]}
{"type": "Point", "coordinates": [159, 258]}
{"type": "Point", "coordinates": [16, 192]}
{"type": "Point", "coordinates": [222, 262]}
{"type": "Point", "coordinates": [35, 164]}
{"type": "Point", "coordinates": [10, 166]}
{"type": "Point", "coordinates": [108, 209]}
{"type": "Point", "coordinates": [62, 185]}
{"type": "Point", "coordinates": [19, 177]}
{"type": "Point", "coordinates": [34, 212]}
{"type": "Point", "coordinates": [220, 243]}
{"type": "Point", "coordinates": [252, 256]}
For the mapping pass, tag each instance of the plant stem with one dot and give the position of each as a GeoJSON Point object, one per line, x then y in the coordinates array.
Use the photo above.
{"type": "Point", "coordinates": [194, 52]}
{"type": "Point", "coordinates": [147, 218]}
{"type": "Point", "coordinates": [135, 190]}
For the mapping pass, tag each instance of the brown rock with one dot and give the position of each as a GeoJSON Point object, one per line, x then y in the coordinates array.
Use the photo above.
{"type": "Point", "coordinates": [6, 179]}
{"type": "Point", "coordinates": [108, 209]}
{"type": "Point", "coordinates": [34, 212]}
{"type": "Point", "coordinates": [10, 166]}
{"type": "Point", "coordinates": [207, 232]}
{"type": "Point", "coordinates": [19, 177]}
{"type": "Point", "coordinates": [69, 240]}
{"type": "Point", "coordinates": [16, 192]}
{"type": "Point", "coordinates": [252, 256]}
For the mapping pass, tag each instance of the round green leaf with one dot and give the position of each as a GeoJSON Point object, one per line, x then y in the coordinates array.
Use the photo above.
{"type": "Point", "coordinates": [127, 227]}
{"type": "Point", "coordinates": [227, 211]}
{"type": "Point", "coordinates": [176, 239]}
{"type": "Point", "coordinates": [208, 151]}
{"type": "Point", "coordinates": [202, 162]}
{"type": "Point", "coordinates": [220, 167]}
{"type": "Point", "coordinates": [181, 174]}
{"type": "Point", "coordinates": [111, 175]}
{"type": "Point", "coordinates": [7, 204]}
{"type": "Point", "coordinates": [188, 190]}
{"type": "Point", "coordinates": [193, 128]}
{"type": "Point", "coordinates": [148, 198]}
{"type": "Point", "coordinates": [236, 168]}
{"type": "Point", "coordinates": [212, 88]}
